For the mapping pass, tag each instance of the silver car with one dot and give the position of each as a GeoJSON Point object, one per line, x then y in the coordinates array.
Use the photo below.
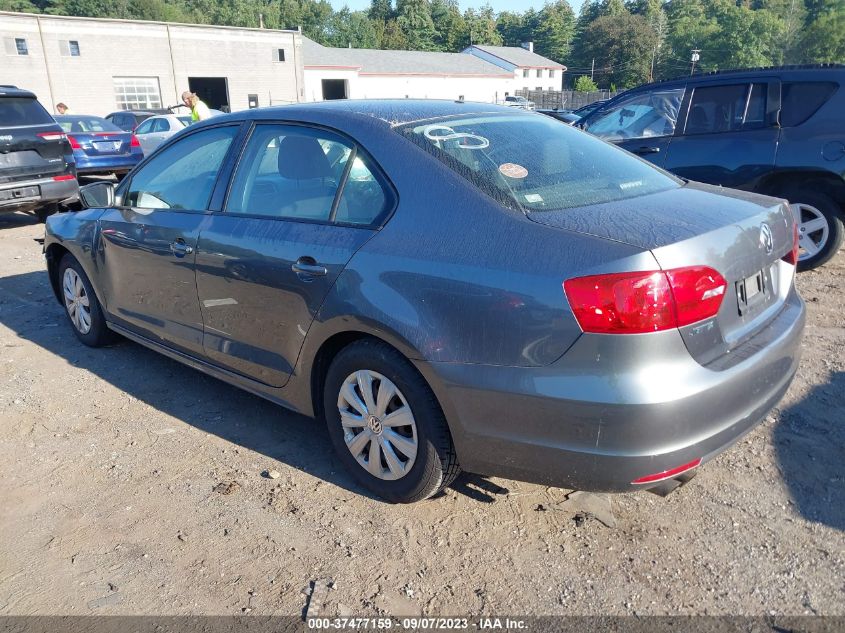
{"type": "Point", "coordinates": [449, 286]}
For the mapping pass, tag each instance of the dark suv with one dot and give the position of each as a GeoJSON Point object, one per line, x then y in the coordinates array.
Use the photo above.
{"type": "Point", "coordinates": [778, 131]}
{"type": "Point", "coordinates": [37, 171]}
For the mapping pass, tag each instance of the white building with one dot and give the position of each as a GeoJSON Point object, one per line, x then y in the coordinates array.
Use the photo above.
{"type": "Point", "coordinates": [356, 73]}
{"type": "Point", "coordinates": [97, 66]}
{"type": "Point", "coordinates": [529, 71]}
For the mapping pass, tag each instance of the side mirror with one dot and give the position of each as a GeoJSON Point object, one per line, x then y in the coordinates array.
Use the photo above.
{"type": "Point", "coordinates": [97, 195]}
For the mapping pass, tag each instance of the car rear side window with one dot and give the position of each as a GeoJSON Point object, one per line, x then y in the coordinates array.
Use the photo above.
{"type": "Point", "coordinates": [715, 109]}
{"type": "Point", "coordinates": [295, 172]}
{"type": "Point", "coordinates": [182, 176]}
{"type": "Point", "coordinates": [20, 111]}
{"type": "Point", "coordinates": [534, 163]}
{"type": "Point", "coordinates": [801, 99]}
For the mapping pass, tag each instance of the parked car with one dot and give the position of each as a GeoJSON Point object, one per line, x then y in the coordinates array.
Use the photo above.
{"type": "Point", "coordinates": [100, 148]}
{"type": "Point", "coordinates": [777, 131]}
{"type": "Point", "coordinates": [518, 102]}
{"type": "Point", "coordinates": [128, 120]}
{"type": "Point", "coordinates": [565, 116]}
{"type": "Point", "coordinates": [157, 129]}
{"type": "Point", "coordinates": [37, 170]}
{"type": "Point", "coordinates": [583, 111]}
{"type": "Point", "coordinates": [546, 307]}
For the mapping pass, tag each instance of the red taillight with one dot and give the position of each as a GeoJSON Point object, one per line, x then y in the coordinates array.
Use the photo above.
{"type": "Point", "coordinates": [73, 142]}
{"type": "Point", "coordinates": [134, 142]}
{"type": "Point", "coordinates": [667, 474]}
{"type": "Point", "coordinates": [649, 301]}
{"type": "Point", "coordinates": [64, 177]}
{"type": "Point", "coordinates": [792, 256]}
{"type": "Point", "coordinates": [51, 136]}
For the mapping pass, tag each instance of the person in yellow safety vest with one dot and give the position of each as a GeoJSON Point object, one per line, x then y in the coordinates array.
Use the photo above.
{"type": "Point", "coordinates": [199, 111]}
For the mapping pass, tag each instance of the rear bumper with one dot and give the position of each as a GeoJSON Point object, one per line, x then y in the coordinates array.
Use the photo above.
{"type": "Point", "coordinates": [613, 409]}
{"type": "Point", "coordinates": [106, 164]}
{"type": "Point", "coordinates": [49, 192]}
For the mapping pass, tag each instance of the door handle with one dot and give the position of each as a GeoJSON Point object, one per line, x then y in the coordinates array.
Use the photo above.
{"type": "Point", "coordinates": [308, 267]}
{"type": "Point", "coordinates": [180, 249]}
{"type": "Point", "coordinates": [645, 149]}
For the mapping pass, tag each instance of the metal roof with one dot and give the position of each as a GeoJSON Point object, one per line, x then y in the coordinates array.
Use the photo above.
{"type": "Point", "coordinates": [519, 56]}
{"type": "Point", "coordinates": [388, 62]}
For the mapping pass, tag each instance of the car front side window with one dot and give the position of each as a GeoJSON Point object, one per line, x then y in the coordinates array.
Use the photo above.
{"type": "Point", "coordinates": [649, 114]}
{"type": "Point", "coordinates": [144, 128]}
{"type": "Point", "coordinates": [183, 175]}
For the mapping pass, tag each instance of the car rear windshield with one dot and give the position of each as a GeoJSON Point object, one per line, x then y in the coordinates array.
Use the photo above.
{"type": "Point", "coordinates": [18, 111]}
{"type": "Point", "coordinates": [534, 163]}
{"type": "Point", "coordinates": [85, 124]}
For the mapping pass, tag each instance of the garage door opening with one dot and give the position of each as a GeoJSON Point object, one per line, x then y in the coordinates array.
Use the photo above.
{"type": "Point", "coordinates": [214, 91]}
{"type": "Point", "coordinates": [335, 89]}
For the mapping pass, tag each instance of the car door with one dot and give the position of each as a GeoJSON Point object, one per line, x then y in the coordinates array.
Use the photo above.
{"type": "Point", "coordinates": [145, 136]}
{"type": "Point", "coordinates": [301, 203]}
{"type": "Point", "coordinates": [642, 123]}
{"type": "Point", "coordinates": [147, 243]}
{"type": "Point", "coordinates": [729, 134]}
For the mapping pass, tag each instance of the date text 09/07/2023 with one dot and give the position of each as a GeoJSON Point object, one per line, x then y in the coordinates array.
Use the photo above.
{"type": "Point", "coordinates": [415, 623]}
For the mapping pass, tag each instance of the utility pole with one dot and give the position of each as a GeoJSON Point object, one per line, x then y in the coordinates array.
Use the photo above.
{"type": "Point", "coordinates": [592, 68]}
{"type": "Point", "coordinates": [695, 57]}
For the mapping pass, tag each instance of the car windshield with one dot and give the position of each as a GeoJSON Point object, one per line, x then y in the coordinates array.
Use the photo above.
{"type": "Point", "coordinates": [82, 124]}
{"type": "Point", "coordinates": [533, 163]}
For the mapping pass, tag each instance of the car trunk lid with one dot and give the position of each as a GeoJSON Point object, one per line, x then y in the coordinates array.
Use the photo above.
{"type": "Point", "coordinates": [96, 144]}
{"type": "Point", "coordinates": [32, 145]}
{"type": "Point", "coordinates": [742, 236]}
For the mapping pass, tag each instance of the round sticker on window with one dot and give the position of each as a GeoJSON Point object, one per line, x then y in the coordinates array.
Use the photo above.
{"type": "Point", "coordinates": [512, 170]}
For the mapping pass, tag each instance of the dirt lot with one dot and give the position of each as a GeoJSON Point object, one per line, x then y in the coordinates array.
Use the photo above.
{"type": "Point", "coordinates": [112, 460]}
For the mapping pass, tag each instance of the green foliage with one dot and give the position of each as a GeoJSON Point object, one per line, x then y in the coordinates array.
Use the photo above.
{"type": "Point", "coordinates": [585, 84]}
{"type": "Point", "coordinates": [414, 18]}
{"type": "Point", "coordinates": [622, 46]}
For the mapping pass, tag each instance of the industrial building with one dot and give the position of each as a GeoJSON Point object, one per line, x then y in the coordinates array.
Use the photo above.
{"type": "Point", "coordinates": [97, 66]}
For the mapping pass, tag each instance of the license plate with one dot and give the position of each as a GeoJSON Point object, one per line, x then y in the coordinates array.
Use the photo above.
{"type": "Point", "coordinates": [107, 146]}
{"type": "Point", "coordinates": [20, 193]}
{"type": "Point", "coordinates": [751, 291]}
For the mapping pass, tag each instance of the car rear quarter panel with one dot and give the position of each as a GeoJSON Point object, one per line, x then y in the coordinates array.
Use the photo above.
{"type": "Point", "coordinates": [76, 233]}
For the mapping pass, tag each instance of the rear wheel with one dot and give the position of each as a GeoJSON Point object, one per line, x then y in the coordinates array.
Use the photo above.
{"type": "Point", "coordinates": [81, 305]}
{"type": "Point", "coordinates": [386, 424]}
{"type": "Point", "coordinates": [820, 230]}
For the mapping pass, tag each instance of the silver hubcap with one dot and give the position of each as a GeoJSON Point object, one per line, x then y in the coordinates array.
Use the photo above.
{"type": "Point", "coordinates": [378, 425]}
{"type": "Point", "coordinates": [76, 301]}
{"type": "Point", "coordinates": [812, 229]}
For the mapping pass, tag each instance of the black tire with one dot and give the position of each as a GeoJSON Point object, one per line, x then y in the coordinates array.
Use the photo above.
{"type": "Point", "coordinates": [436, 463]}
{"type": "Point", "coordinates": [42, 213]}
{"type": "Point", "coordinates": [98, 334]}
{"type": "Point", "coordinates": [836, 232]}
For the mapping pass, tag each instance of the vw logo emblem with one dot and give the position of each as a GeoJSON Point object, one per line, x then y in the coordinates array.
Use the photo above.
{"type": "Point", "coordinates": [767, 241]}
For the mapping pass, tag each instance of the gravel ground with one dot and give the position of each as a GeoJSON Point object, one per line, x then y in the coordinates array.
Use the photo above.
{"type": "Point", "coordinates": [131, 484]}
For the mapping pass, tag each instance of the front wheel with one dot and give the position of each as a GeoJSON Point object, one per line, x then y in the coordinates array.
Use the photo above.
{"type": "Point", "coordinates": [81, 304]}
{"type": "Point", "coordinates": [820, 230]}
{"type": "Point", "coordinates": [386, 425]}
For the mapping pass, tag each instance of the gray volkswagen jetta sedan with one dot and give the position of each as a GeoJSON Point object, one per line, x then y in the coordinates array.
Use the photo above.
{"type": "Point", "coordinates": [450, 286]}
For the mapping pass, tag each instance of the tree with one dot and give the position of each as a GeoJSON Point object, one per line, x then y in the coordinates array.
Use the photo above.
{"type": "Point", "coordinates": [449, 25]}
{"type": "Point", "coordinates": [555, 30]}
{"type": "Point", "coordinates": [622, 46]}
{"type": "Point", "coordinates": [480, 25]}
{"type": "Point", "coordinates": [823, 39]}
{"type": "Point", "coordinates": [414, 18]}
{"type": "Point", "coordinates": [351, 28]}
{"type": "Point", "coordinates": [381, 10]}
{"type": "Point", "coordinates": [512, 27]}
{"type": "Point", "coordinates": [585, 84]}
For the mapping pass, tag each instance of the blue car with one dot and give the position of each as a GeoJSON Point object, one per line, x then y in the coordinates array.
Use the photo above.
{"type": "Point", "coordinates": [99, 147]}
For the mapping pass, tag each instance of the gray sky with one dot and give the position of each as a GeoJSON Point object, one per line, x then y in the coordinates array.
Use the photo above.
{"type": "Point", "coordinates": [498, 5]}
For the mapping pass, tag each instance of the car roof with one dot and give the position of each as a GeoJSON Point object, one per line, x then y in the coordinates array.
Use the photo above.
{"type": "Point", "coordinates": [390, 112]}
{"type": "Point", "coordinates": [7, 90]}
{"type": "Point", "coordinates": [807, 70]}
{"type": "Point", "coordinates": [68, 117]}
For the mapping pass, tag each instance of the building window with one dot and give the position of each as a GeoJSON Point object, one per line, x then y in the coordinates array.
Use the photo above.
{"type": "Point", "coordinates": [539, 88]}
{"type": "Point", "coordinates": [539, 72]}
{"type": "Point", "coordinates": [137, 93]}
{"type": "Point", "coordinates": [69, 48]}
{"type": "Point", "coordinates": [20, 45]}
{"type": "Point", "coordinates": [551, 74]}
{"type": "Point", "coordinates": [524, 72]}
{"type": "Point", "coordinates": [279, 55]}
